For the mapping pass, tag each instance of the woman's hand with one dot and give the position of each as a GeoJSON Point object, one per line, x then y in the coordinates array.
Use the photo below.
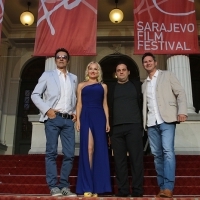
{"type": "Point", "coordinates": [78, 125]}
{"type": "Point", "coordinates": [74, 118]}
{"type": "Point", "coordinates": [107, 127]}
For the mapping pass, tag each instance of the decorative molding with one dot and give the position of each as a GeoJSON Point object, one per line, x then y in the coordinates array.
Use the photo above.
{"type": "Point", "coordinates": [5, 41]}
{"type": "Point", "coordinates": [3, 147]}
{"type": "Point", "coordinates": [22, 36]}
{"type": "Point", "coordinates": [193, 117]}
{"type": "Point", "coordinates": [116, 48]}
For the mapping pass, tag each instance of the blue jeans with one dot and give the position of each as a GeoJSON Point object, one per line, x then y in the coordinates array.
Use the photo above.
{"type": "Point", "coordinates": [65, 129]}
{"type": "Point", "coordinates": [161, 139]}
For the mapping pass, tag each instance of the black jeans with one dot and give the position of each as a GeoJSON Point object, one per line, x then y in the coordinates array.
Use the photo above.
{"type": "Point", "coordinates": [128, 138]}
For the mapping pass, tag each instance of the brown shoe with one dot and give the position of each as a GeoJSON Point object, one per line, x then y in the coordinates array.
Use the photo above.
{"type": "Point", "coordinates": [158, 195]}
{"type": "Point", "coordinates": [166, 193]}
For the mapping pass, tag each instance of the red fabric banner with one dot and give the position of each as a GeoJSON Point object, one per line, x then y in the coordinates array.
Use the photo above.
{"type": "Point", "coordinates": [165, 27]}
{"type": "Point", "coordinates": [71, 24]}
{"type": "Point", "coordinates": [1, 15]}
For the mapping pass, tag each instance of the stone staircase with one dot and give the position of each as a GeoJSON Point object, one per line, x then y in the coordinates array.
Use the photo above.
{"type": "Point", "coordinates": [24, 175]}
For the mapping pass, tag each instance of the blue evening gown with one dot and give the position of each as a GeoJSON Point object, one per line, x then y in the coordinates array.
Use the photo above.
{"type": "Point", "coordinates": [97, 179]}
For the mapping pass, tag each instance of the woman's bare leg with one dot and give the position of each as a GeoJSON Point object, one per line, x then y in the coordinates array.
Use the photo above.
{"type": "Point", "coordinates": [90, 147]}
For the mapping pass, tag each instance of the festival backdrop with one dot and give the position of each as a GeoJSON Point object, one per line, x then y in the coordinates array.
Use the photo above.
{"type": "Point", "coordinates": [165, 27]}
{"type": "Point", "coordinates": [66, 23]}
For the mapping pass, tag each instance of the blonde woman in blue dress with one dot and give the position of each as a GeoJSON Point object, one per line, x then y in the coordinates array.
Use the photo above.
{"type": "Point", "coordinates": [92, 122]}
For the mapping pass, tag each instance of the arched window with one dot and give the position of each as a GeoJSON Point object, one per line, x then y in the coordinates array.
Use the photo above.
{"type": "Point", "coordinates": [109, 63]}
{"type": "Point", "coordinates": [195, 79]}
{"type": "Point", "coordinates": [29, 78]}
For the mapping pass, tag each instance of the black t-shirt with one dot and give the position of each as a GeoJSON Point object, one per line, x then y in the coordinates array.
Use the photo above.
{"type": "Point", "coordinates": [126, 108]}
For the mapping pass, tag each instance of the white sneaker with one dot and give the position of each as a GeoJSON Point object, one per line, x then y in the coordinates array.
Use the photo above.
{"type": "Point", "coordinates": [55, 192]}
{"type": "Point", "coordinates": [66, 192]}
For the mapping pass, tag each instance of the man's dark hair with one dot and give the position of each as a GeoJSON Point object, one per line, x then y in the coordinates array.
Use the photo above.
{"type": "Point", "coordinates": [122, 62]}
{"type": "Point", "coordinates": [148, 54]}
{"type": "Point", "coordinates": [63, 50]}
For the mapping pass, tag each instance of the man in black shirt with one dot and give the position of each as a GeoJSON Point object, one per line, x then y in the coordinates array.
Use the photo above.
{"type": "Point", "coordinates": [124, 101]}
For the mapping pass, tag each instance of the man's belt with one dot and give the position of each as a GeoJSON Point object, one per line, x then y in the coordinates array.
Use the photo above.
{"type": "Point", "coordinates": [65, 115]}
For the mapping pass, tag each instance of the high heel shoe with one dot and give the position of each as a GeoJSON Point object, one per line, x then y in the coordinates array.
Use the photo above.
{"type": "Point", "coordinates": [87, 194]}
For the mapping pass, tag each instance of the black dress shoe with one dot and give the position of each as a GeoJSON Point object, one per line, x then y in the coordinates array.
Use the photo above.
{"type": "Point", "coordinates": [136, 195]}
{"type": "Point", "coordinates": [121, 195]}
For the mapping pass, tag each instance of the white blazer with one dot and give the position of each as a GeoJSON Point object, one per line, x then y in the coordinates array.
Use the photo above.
{"type": "Point", "coordinates": [48, 87]}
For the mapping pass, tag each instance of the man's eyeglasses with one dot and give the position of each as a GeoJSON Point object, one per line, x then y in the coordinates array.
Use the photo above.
{"type": "Point", "coordinates": [63, 57]}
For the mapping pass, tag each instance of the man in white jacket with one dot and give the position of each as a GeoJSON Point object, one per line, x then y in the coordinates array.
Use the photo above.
{"type": "Point", "coordinates": [57, 108]}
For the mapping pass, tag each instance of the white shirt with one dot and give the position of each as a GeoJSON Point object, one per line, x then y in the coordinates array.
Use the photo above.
{"type": "Point", "coordinates": [153, 111]}
{"type": "Point", "coordinates": [64, 104]}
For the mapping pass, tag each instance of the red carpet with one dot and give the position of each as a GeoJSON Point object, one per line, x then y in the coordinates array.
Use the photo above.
{"type": "Point", "coordinates": [9, 197]}
{"type": "Point", "coordinates": [24, 176]}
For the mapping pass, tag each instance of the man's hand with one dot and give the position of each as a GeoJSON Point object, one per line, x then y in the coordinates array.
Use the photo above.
{"type": "Point", "coordinates": [182, 118]}
{"type": "Point", "coordinates": [51, 113]}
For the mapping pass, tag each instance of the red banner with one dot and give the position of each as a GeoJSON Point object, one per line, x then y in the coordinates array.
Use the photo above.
{"type": "Point", "coordinates": [71, 24]}
{"type": "Point", "coordinates": [1, 15]}
{"type": "Point", "coordinates": [165, 27]}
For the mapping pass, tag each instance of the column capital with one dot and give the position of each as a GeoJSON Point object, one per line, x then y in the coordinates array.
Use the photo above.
{"type": "Point", "coordinates": [171, 55]}
{"type": "Point", "coordinates": [6, 42]}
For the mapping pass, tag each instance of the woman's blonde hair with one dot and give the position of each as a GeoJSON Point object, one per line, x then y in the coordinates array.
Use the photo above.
{"type": "Point", "coordinates": [99, 79]}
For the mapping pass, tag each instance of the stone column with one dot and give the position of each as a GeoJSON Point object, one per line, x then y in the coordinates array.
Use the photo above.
{"type": "Point", "coordinates": [38, 140]}
{"type": "Point", "coordinates": [50, 64]}
{"type": "Point", "coordinates": [180, 66]}
{"type": "Point", "coordinates": [3, 67]}
{"type": "Point", "coordinates": [78, 65]}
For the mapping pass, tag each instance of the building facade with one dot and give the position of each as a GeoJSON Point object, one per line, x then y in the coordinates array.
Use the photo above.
{"type": "Point", "coordinates": [19, 72]}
